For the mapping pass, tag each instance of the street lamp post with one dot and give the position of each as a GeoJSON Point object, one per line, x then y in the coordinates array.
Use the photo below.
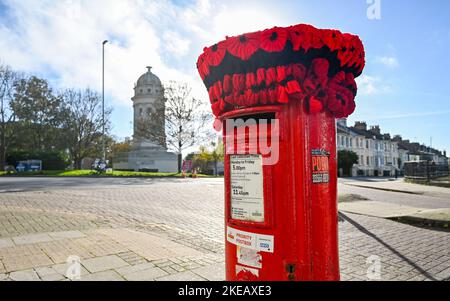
{"type": "Point", "coordinates": [103, 101]}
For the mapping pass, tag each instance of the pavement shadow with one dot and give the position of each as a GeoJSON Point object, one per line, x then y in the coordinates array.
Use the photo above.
{"type": "Point", "coordinates": [361, 228]}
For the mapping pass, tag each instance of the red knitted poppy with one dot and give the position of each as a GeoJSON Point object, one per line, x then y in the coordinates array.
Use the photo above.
{"type": "Point", "coordinates": [278, 65]}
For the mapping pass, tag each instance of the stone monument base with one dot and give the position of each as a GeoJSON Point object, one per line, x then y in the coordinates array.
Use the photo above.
{"type": "Point", "coordinates": [147, 156]}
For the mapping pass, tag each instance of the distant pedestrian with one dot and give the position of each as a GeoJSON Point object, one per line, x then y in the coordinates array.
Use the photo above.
{"type": "Point", "coordinates": [396, 174]}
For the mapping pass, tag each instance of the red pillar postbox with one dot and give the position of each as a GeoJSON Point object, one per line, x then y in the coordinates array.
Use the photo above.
{"type": "Point", "coordinates": [276, 95]}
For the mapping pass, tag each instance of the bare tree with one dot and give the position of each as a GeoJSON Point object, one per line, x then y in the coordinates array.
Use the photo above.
{"type": "Point", "coordinates": [185, 118]}
{"type": "Point", "coordinates": [83, 123]}
{"type": "Point", "coordinates": [151, 125]}
{"type": "Point", "coordinates": [178, 122]}
{"type": "Point", "coordinates": [8, 79]}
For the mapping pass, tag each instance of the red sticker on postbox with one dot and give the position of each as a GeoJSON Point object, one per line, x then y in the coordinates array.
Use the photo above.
{"type": "Point", "coordinates": [320, 167]}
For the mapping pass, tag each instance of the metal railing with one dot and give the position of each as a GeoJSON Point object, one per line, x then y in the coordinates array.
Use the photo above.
{"type": "Point", "coordinates": [425, 170]}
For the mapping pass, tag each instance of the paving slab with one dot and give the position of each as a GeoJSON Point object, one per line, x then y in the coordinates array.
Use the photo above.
{"type": "Point", "coordinates": [6, 243]}
{"type": "Point", "coordinates": [23, 260]}
{"type": "Point", "coordinates": [98, 264]}
{"type": "Point", "coordinates": [215, 272]}
{"type": "Point", "coordinates": [53, 277]}
{"type": "Point", "coordinates": [183, 276]}
{"type": "Point", "coordinates": [135, 268]}
{"type": "Point", "coordinates": [31, 239]}
{"type": "Point", "coordinates": [151, 247]}
{"type": "Point", "coordinates": [401, 186]}
{"type": "Point", "coordinates": [378, 209]}
{"type": "Point", "coordinates": [45, 271]}
{"type": "Point", "coordinates": [146, 275]}
{"type": "Point", "coordinates": [66, 234]}
{"type": "Point", "coordinates": [103, 276]}
{"type": "Point", "coordinates": [444, 275]}
{"type": "Point", "coordinates": [26, 275]}
{"type": "Point", "coordinates": [440, 215]}
{"type": "Point", "coordinates": [62, 269]}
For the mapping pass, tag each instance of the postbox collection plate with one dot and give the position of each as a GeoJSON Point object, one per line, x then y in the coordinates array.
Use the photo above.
{"type": "Point", "coordinates": [246, 183]}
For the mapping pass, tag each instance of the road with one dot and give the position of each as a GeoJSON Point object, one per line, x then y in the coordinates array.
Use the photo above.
{"type": "Point", "coordinates": [191, 213]}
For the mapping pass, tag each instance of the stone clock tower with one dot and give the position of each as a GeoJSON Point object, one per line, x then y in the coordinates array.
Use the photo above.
{"type": "Point", "coordinates": [149, 106]}
{"type": "Point", "coordinates": [148, 150]}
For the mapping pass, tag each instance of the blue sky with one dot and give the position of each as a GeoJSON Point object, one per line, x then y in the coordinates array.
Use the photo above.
{"type": "Point", "coordinates": [404, 87]}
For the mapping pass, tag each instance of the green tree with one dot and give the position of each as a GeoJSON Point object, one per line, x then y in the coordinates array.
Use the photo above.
{"type": "Point", "coordinates": [204, 157]}
{"type": "Point", "coordinates": [118, 148]}
{"type": "Point", "coordinates": [346, 159]}
{"type": "Point", "coordinates": [8, 79]}
{"type": "Point", "coordinates": [82, 123]}
{"type": "Point", "coordinates": [38, 112]}
{"type": "Point", "coordinates": [217, 154]}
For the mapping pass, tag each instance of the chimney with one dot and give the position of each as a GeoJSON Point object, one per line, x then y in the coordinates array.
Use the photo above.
{"type": "Point", "coordinates": [397, 138]}
{"type": "Point", "coordinates": [342, 121]}
{"type": "Point", "coordinates": [361, 125]}
{"type": "Point", "coordinates": [375, 129]}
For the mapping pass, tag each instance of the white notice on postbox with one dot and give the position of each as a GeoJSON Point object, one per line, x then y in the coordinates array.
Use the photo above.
{"type": "Point", "coordinates": [250, 240]}
{"type": "Point", "coordinates": [247, 194]}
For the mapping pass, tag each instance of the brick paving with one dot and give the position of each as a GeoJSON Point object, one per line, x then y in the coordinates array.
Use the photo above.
{"type": "Point", "coordinates": [173, 230]}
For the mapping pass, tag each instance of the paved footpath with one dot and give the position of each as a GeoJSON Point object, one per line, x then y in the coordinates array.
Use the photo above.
{"type": "Point", "coordinates": [172, 229]}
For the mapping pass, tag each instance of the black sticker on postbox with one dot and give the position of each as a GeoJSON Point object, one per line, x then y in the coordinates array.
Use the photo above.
{"type": "Point", "coordinates": [320, 167]}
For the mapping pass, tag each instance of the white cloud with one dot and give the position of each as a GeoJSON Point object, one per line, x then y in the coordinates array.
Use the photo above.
{"type": "Point", "coordinates": [62, 39]}
{"type": "Point", "coordinates": [388, 61]}
{"type": "Point", "coordinates": [371, 85]}
{"type": "Point", "coordinates": [176, 44]}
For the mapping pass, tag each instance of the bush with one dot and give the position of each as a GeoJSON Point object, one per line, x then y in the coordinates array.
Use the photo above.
{"type": "Point", "coordinates": [51, 160]}
{"type": "Point", "coordinates": [346, 159]}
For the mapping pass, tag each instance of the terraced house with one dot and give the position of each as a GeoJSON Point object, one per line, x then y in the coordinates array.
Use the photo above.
{"type": "Point", "coordinates": [378, 154]}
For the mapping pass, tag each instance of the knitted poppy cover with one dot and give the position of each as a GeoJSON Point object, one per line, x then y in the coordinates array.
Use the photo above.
{"type": "Point", "coordinates": [279, 65]}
